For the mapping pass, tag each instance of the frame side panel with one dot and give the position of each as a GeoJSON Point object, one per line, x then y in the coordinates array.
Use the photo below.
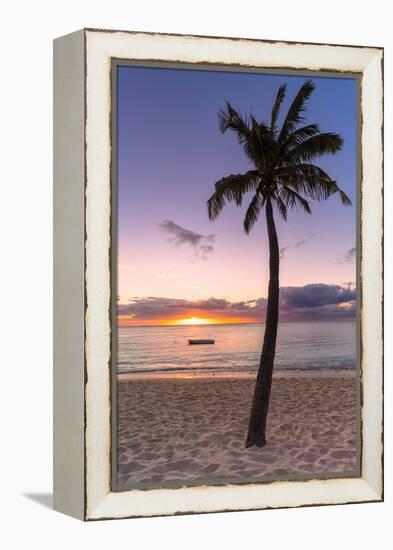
{"type": "Point", "coordinates": [68, 209]}
{"type": "Point", "coordinates": [372, 274]}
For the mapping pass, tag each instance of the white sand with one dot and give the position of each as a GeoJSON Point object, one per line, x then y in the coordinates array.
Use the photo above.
{"type": "Point", "coordinates": [194, 429]}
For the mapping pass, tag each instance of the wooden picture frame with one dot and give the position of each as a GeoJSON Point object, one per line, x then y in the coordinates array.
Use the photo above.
{"type": "Point", "coordinates": [83, 240]}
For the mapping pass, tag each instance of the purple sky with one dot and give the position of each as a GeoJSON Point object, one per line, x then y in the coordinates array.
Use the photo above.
{"type": "Point", "coordinates": [170, 153]}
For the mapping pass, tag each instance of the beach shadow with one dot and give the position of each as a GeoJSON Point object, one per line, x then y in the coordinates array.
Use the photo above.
{"type": "Point", "coordinates": [45, 499]}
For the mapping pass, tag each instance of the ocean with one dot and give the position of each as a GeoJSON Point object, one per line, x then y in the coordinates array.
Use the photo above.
{"type": "Point", "coordinates": [164, 350]}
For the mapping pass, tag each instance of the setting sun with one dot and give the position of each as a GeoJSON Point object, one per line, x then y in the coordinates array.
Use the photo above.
{"type": "Point", "coordinates": [194, 321]}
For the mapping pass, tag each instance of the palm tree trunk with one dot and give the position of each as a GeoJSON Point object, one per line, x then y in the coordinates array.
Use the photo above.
{"type": "Point", "coordinates": [257, 425]}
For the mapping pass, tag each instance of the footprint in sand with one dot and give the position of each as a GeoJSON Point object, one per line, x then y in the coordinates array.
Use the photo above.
{"type": "Point", "coordinates": [308, 457]}
{"type": "Point", "coordinates": [211, 468]}
{"type": "Point", "coordinates": [342, 454]}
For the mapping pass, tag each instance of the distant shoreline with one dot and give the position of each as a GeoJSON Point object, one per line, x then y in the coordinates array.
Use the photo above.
{"type": "Point", "coordinates": [209, 325]}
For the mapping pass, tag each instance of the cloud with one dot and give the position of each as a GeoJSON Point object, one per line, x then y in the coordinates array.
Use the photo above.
{"type": "Point", "coordinates": [348, 257]}
{"type": "Point", "coordinates": [202, 244]}
{"type": "Point", "coordinates": [349, 284]}
{"type": "Point", "coordinates": [205, 250]}
{"type": "Point", "coordinates": [311, 302]}
{"type": "Point", "coordinates": [156, 308]}
{"type": "Point", "coordinates": [317, 302]}
{"type": "Point", "coordinates": [300, 243]}
{"type": "Point", "coordinates": [284, 249]}
{"type": "Point", "coordinates": [315, 295]}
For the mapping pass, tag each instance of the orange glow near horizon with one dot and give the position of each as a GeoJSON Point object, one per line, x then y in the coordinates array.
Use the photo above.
{"type": "Point", "coordinates": [188, 321]}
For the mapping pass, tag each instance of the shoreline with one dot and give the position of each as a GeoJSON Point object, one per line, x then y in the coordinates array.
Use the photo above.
{"type": "Point", "coordinates": [310, 373]}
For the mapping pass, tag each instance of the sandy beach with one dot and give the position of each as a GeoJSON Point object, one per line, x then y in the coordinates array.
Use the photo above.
{"type": "Point", "coordinates": [194, 429]}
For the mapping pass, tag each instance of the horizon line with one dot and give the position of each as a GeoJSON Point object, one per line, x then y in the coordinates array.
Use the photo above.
{"type": "Point", "coordinates": [346, 320]}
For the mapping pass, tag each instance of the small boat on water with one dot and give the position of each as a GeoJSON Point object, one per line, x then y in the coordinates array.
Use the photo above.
{"type": "Point", "coordinates": [194, 342]}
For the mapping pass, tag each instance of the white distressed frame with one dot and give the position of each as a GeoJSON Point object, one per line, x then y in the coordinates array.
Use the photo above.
{"type": "Point", "coordinates": [100, 48]}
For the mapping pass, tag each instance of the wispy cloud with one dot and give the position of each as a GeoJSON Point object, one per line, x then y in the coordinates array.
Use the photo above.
{"type": "Point", "coordinates": [348, 257]}
{"type": "Point", "coordinates": [205, 250]}
{"type": "Point", "coordinates": [284, 249]}
{"type": "Point", "coordinates": [311, 302]}
{"type": "Point", "coordinates": [201, 244]}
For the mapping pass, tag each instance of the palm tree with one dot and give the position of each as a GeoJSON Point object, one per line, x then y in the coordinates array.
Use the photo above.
{"type": "Point", "coordinates": [283, 177]}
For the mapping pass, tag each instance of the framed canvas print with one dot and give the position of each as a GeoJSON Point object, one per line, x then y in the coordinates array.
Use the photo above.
{"type": "Point", "coordinates": [218, 274]}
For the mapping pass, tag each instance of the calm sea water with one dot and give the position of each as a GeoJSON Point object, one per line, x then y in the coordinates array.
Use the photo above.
{"type": "Point", "coordinates": [300, 346]}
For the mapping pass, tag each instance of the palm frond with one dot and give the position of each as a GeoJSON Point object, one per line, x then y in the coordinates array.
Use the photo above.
{"type": "Point", "coordinates": [252, 213]}
{"type": "Point", "coordinates": [303, 170]}
{"type": "Point", "coordinates": [292, 199]}
{"type": "Point", "coordinates": [231, 189]}
{"type": "Point", "coordinates": [315, 146]}
{"type": "Point", "coordinates": [276, 107]}
{"type": "Point", "coordinates": [308, 179]}
{"type": "Point", "coordinates": [346, 201]}
{"type": "Point", "coordinates": [294, 115]}
{"type": "Point", "coordinates": [281, 207]}
{"type": "Point", "coordinates": [256, 139]}
{"type": "Point", "coordinates": [301, 134]}
{"type": "Point", "coordinates": [311, 181]}
{"type": "Point", "coordinates": [231, 119]}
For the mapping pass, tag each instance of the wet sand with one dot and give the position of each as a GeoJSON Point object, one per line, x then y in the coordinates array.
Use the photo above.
{"type": "Point", "coordinates": [189, 430]}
